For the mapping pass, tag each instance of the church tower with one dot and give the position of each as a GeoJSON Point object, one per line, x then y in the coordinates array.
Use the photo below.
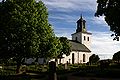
{"type": "Point", "coordinates": [81, 35]}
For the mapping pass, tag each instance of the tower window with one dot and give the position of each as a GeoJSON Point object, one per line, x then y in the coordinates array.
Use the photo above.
{"type": "Point", "coordinates": [88, 38]}
{"type": "Point", "coordinates": [84, 38]}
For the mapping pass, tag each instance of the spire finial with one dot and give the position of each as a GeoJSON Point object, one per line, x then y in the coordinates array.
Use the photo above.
{"type": "Point", "coordinates": [81, 16]}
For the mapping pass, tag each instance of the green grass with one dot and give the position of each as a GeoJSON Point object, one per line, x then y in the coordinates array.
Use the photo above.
{"type": "Point", "coordinates": [79, 69]}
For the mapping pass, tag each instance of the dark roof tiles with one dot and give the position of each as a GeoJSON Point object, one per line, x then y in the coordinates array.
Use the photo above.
{"type": "Point", "coordinates": [77, 46]}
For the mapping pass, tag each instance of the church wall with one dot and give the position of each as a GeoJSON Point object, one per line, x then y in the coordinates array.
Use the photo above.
{"type": "Point", "coordinates": [87, 55]}
{"type": "Point", "coordinates": [85, 40]}
{"type": "Point", "coordinates": [78, 57]}
{"type": "Point", "coordinates": [82, 38]}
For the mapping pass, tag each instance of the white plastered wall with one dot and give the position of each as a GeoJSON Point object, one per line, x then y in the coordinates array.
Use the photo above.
{"type": "Point", "coordinates": [78, 57]}
{"type": "Point", "coordinates": [86, 42]}
{"type": "Point", "coordinates": [80, 38]}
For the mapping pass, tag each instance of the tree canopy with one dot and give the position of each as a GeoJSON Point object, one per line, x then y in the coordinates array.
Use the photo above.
{"type": "Point", "coordinates": [116, 57]}
{"type": "Point", "coordinates": [111, 10]}
{"type": "Point", "coordinates": [94, 58]}
{"type": "Point", "coordinates": [66, 47]}
{"type": "Point", "coordinates": [25, 30]}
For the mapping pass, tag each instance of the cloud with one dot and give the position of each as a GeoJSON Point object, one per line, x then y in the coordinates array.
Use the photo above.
{"type": "Point", "coordinates": [99, 21]}
{"type": "Point", "coordinates": [105, 56]}
{"type": "Point", "coordinates": [70, 5]}
{"type": "Point", "coordinates": [103, 44]}
{"type": "Point", "coordinates": [63, 32]}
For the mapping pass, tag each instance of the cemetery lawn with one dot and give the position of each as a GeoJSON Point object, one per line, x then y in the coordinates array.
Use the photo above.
{"type": "Point", "coordinates": [74, 72]}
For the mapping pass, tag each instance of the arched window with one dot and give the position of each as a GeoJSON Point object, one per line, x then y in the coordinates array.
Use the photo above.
{"type": "Point", "coordinates": [88, 38]}
{"type": "Point", "coordinates": [73, 58]}
{"type": "Point", "coordinates": [83, 57]}
{"type": "Point", "coordinates": [84, 38]}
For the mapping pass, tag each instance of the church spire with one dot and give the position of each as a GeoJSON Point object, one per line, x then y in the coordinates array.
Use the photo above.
{"type": "Point", "coordinates": [81, 27]}
{"type": "Point", "coordinates": [81, 17]}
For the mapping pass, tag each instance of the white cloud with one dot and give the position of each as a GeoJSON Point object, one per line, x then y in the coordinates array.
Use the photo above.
{"type": "Point", "coordinates": [65, 18]}
{"type": "Point", "coordinates": [103, 44]}
{"type": "Point", "coordinates": [68, 5]}
{"type": "Point", "coordinates": [65, 32]}
{"type": "Point", "coordinates": [99, 20]}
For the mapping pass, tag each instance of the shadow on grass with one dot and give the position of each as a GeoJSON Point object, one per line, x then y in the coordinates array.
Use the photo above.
{"type": "Point", "coordinates": [21, 77]}
{"type": "Point", "coordinates": [100, 74]}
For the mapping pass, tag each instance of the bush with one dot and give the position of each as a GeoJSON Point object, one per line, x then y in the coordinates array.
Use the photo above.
{"type": "Point", "coordinates": [104, 64]}
{"type": "Point", "coordinates": [60, 67]}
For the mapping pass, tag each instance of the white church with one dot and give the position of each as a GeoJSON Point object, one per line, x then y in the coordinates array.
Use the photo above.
{"type": "Point", "coordinates": [80, 45]}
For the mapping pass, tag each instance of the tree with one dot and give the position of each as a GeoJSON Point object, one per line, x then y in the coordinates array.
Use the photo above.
{"type": "Point", "coordinates": [94, 59]}
{"type": "Point", "coordinates": [25, 31]}
{"type": "Point", "coordinates": [116, 57]}
{"type": "Point", "coordinates": [111, 10]}
{"type": "Point", "coordinates": [65, 47]}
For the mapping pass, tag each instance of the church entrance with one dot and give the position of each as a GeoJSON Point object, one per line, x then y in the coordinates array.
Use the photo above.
{"type": "Point", "coordinates": [73, 58]}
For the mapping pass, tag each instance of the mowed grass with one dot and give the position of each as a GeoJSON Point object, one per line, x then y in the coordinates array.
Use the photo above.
{"type": "Point", "coordinates": [40, 72]}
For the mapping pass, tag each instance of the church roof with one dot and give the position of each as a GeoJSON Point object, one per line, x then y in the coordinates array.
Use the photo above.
{"type": "Point", "coordinates": [77, 46]}
{"type": "Point", "coordinates": [83, 32]}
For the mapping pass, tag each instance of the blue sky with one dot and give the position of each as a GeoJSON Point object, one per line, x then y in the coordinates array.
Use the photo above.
{"type": "Point", "coordinates": [63, 15]}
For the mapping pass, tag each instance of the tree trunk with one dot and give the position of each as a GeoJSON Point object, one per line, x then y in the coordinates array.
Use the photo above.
{"type": "Point", "coordinates": [56, 61]}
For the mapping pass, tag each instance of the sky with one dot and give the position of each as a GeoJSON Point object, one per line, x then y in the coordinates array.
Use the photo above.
{"type": "Point", "coordinates": [63, 15]}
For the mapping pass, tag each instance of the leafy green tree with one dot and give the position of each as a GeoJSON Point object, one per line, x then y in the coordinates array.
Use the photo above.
{"type": "Point", "coordinates": [116, 57]}
{"type": "Point", "coordinates": [94, 59]}
{"type": "Point", "coordinates": [65, 47]}
{"type": "Point", "coordinates": [25, 31]}
{"type": "Point", "coordinates": [111, 10]}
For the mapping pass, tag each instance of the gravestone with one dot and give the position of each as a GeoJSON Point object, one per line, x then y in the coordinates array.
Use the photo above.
{"type": "Point", "coordinates": [66, 65]}
{"type": "Point", "coordinates": [52, 71]}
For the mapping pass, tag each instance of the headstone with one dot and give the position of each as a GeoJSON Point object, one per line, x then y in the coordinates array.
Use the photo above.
{"type": "Point", "coordinates": [65, 66]}
{"type": "Point", "coordinates": [29, 61]}
{"type": "Point", "coordinates": [41, 60]}
{"type": "Point", "coordinates": [52, 71]}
